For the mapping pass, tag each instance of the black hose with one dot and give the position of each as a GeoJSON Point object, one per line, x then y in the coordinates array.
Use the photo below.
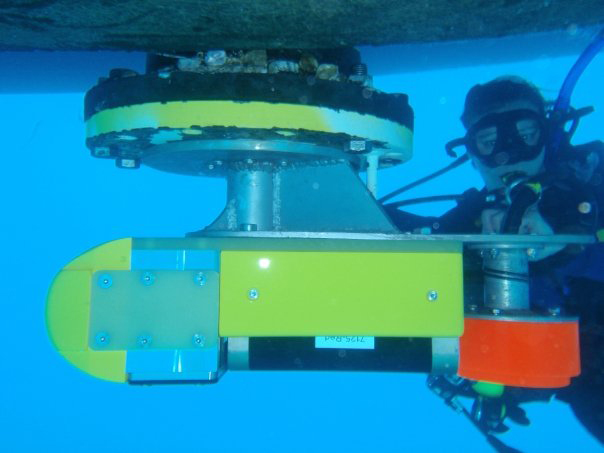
{"type": "Point", "coordinates": [523, 197]}
{"type": "Point", "coordinates": [409, 186]}
{"type": "Point", "coordinates": [398, 204]}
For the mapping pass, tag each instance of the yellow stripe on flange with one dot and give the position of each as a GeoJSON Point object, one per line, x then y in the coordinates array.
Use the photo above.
{"type": "Point", "coordinates": [255, 115]}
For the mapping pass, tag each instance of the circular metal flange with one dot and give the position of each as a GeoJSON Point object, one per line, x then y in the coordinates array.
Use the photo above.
{"type": "Point", "coordinates": [217, 157]}
{"type": "Point", "coordinates": [192, 123]}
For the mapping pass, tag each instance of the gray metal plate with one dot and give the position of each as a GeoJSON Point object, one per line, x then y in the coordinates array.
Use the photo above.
{"type": "Point", "coordinates": [154, 310]}
{"type": "Point", "coordinates": [477, 241]}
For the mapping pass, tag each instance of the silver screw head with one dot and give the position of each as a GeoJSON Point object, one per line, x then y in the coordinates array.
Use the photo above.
{"type": "Point", "coordinates": [148, 278]}
{"type": "Point", "coordinates": [102, 151]}
{"type": "Point", "coordinates": [554, 311]}
{"type": "Point", "coordinates": [432, 295]}
{"type": "Point", "coordinates": [101, 339]}
{"type": "Point", "coordinates": [584, 207]}
{"type": "Point", "coordinates": [130, 163]}
{"type": "Point", "coordinates": [252, 294]}
{"type": "Point", "coordinates": [493, 253]}
{"type": "Point", "coordinates": [215, 57]}
{"type": "Point", "coordinates": [127, 162]}
{"type": "Point", "coordinates": [144, 341]}
{"type": "Point", "coordinates": [199, 340]}
{"type": "Point", "coordinates": [200, 278]}
{"type": "Point", "coordinates": [105, 281]}
{"type": "Point", "coordinates": [496, 311]}
{"type": "Point", "coordinates": [357, 146]}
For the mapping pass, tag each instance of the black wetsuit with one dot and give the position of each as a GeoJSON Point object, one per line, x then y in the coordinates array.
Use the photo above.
{"type": "Point", "coordinates": [572, 278]}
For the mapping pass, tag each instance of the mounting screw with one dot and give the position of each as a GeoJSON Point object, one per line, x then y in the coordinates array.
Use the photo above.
{"type": "Point", "coordinates": [531, 252]}
{"type": "Point", "coordinates": [493, 253]}
{"type": "Point", "coordinates": [199, 340]}
{"type": "Point", "coordinates": [584, 207]}
{"type": "Point", "coordinates": [101, 339]}
{"type": "Point", "coordinates": [144, 341]}
{"type": "Point", "coordinates": [215, 57]}
{"type": "Point", "coordinates": [359, 69]}
{"type": "Point", "coordinates": [105, 281]}
{"type": "Point", "coordinates": [128, 163]}
{"type": "Point", "coordinates": [101, 151]}
{"type": "Point", "coordinates": [554, 311]}
{"type": "Point", "coordinates": [473, 307]}
{"type": "Point", "coordinates": [432, 295]}
{"type": "Point", "coordinates": [359, 75]}
{"type": "Point", "coordinates": [357, 146]}
{"type": "Point", "coordinates": [252, 294]}
{"type": "Point", "coordinates": [200, 278]}
{"type": "Point", "coordinates": [148, 279]}
{"type": "Point", "coordinates": [496, 311]}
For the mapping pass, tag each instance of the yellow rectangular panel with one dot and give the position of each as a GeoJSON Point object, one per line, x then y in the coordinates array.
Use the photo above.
{"type": "Point", "coordinates": [311, 293]}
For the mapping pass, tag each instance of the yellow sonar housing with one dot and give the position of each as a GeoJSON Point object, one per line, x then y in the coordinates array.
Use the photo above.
{"type": "Point", "coordinates": [287, 287]}
{"type": "Point", "coordinates": [68, 310]}
{"type": "Point", "coordinates": [309, 293]}
{"type": "Point", "coordinates": [301, 260]}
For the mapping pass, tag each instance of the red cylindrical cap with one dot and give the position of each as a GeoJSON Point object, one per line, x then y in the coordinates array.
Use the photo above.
{"type": "Point", "coordinates": [519, 353]}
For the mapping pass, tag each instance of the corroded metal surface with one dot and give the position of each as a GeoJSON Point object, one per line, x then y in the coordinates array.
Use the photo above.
{"type": "Point", "coordinates": [169, 25]}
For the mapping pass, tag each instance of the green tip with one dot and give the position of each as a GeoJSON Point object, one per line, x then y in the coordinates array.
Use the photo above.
{"type": "Point", "coordinates": [489, 389]}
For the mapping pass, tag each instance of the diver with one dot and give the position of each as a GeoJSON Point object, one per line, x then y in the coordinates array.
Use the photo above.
{"type": "Point", "coordinates": [535, 182]}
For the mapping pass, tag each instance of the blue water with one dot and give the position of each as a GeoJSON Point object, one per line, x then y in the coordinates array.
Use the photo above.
{"type": "Point", "coordinates": [58, 202]}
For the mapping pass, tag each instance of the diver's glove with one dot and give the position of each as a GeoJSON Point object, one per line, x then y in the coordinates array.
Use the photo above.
{"type": "Point", "coordinates": [490, 413]}
{"type": "Point", "coordinates": [521, 196]}
{"type": "Point", "coordinates": [517, 414]}
{"type": "Point", "coordinates": [491, 406]}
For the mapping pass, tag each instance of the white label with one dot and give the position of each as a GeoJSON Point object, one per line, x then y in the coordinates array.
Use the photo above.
{"type": "Point", "coordinates": [345, 342]}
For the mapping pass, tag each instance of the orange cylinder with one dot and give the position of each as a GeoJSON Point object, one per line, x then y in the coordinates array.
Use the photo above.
{"type": "Point", "coordinates": [523, 353]}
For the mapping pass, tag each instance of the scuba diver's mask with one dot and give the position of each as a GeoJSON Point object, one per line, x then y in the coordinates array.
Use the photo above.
{"type": "Point", "coordinates": [506, 138]}
{"type": "Point", "coordinates": [505, 146]}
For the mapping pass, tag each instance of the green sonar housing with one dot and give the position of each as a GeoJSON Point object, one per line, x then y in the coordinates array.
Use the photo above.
{"type": "Point", "coordinates": [302, 270]}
